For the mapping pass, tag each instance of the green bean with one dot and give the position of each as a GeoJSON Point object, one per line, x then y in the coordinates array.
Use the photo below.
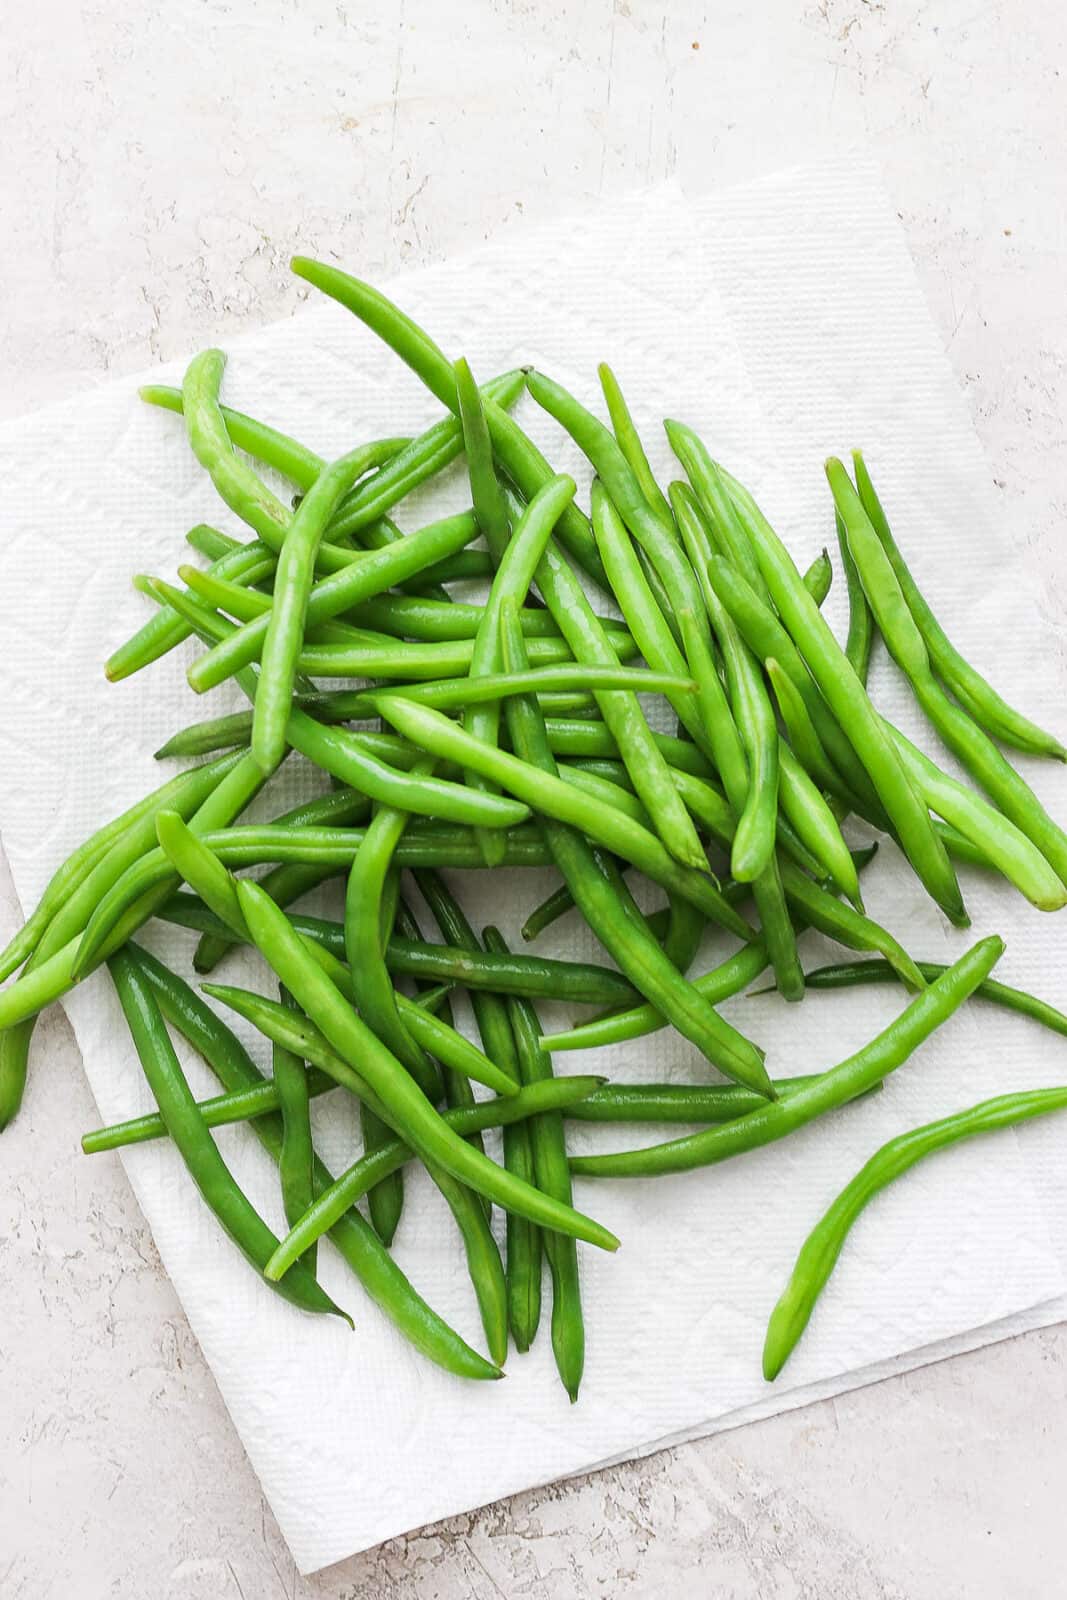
{"type": "Point", "coordinates": [403, 1100]}
{"type": "Point", "coordinates": [550, 795]}
{"type": "Point", "coordinates": [410, 617]}
{"type": "Point", "coordinates": [487, 497]}
{"type": "Point", "coordinates": [368, 574]}
{"type": "Point", "coordinates": [976, 696]}
{"type": "Point", "coordinates": [472, 1213]}
{"type": "Point", "coordinates": [845, 974]}
{"type": "Point", "coordinates": [816, 824]}
{"type": "Point", "coordinates": [799, 727]}
{"type": "Point", "coordinates": [572, 738]}
{"type": "Point", "coordinates": [549, 1149]}
{"type": "Point", "coordinates": [963, 736]}
{"type": "Point", "coordinates": [674, 1102]}
{"type": "Point", "coordinates": [765, 636]}
{"type": "Point", "coordinates": [522, 1237]}
{"type": "Point", "coordinates": [842, 1083]}
{"type": "Point", "coordinates": [547, 911]}
{"type": "Point", "coordinates": [347, 758]}
{"type": "Point", "coordinates": [219, 1111]}
{"type": "Point", "coordinates": [258, 439]}
{"type": "Point", "coordinates": [296, 1159]}
{"type": "Point", "coordinates": [365, 938]}
{"type": "Point", "coordinates": [168, 628]}
{"type": "Point", "coordinates": [630, 945]}
{"type": "Point", "coordinates": [107, 931]}
{"type": "Point", "coordinates": [420, 460]}
{"type": "Point", "coordinates": [714, 499]}
{"type": "Point", "coordinates": [860, 622]}
{"type": "Point", "coordinates": [536, 977]}
{"type": "Point", "coordinates": [518, 456]}
{"type": "Point", "coordinates": [66, 881]}
{"type": "Point", "coordinates": [205, 873]}
{"type": "Point", "coordinates": [848, 700]}
{"type": "Point", "coordinates": [839, 921]}
{"type": "Point", "coordinates": [533, 1100]}
{"type": "Point", "coordinates": [705, 714]}
{"type": "Point", "coordinates": [287, 883]}
{"type": "Point", "coordinates": [820, 1250]}
{"type": "Point", "coordinates": [353, 1237]}
{"type": "Point", "coordinates": [184, 1124]}
{"type": "Point", "coordinates": [1000, 841]}
{"type": "Point", "coordinates": [238, 485]}
{"type": "Point", "coordinates": [246, 604]}
{"type": "Point", "coordinates": [752, 787]}
{"type": "Point", "coordinates": [514, 575]}
{"type": "Point", "coordinates": [71, 896]}
{"type": "Point", "coordinates": [629, 441]}
{"type": "Point", "coordinates": [819, 577]}
{"type": "Point", "coordinates": [293, 581]}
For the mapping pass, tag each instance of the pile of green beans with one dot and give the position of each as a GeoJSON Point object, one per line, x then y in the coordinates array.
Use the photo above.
{"type": "Point", "coordinates": [521, 731]}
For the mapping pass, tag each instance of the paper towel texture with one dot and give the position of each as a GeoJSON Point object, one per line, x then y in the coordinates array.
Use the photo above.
{"type": "Point", "coordinates": [783, 321]}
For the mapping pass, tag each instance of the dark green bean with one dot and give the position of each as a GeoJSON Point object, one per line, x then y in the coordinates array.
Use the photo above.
{"type": "Point", "coordinates": [296, 1159]}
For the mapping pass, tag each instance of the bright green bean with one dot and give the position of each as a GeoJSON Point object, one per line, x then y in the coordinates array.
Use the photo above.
{"type": "Point", "coordinates": [548, 794]}
{"type": "Point", "coordinates": [842, 1083]}
{"type": "Point", "coordinates": [512, 581]}
{"type": "Point", "coordinates": [403, 1100]}
{"type": "Point", "coordinates": [963, 736]}
{"type": "Point", "coordinates": [629, 441]}
{"type": "Point", "coordinates": [353, 1237]}
{"type": "Point", "coordinates": [843, 975]}
{"type": "Point", "coordinates": [820, 1250]}
{"type": "Point", "coordinates": [184, 1124]}
{"type": "Point", "coordinates": [977, 696]}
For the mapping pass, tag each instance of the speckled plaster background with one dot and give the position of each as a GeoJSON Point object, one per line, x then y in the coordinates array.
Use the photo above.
{"type": "Point", "coordinates": [161, 164]}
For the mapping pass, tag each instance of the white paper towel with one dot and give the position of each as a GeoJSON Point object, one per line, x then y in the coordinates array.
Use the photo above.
{"type": "Point", "coordinates": [782, 320]}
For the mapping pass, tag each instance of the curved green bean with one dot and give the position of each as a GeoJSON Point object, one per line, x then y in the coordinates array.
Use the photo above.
{"type": "Point", "coordinates": [629, 442]}
{"type": "Point", "coordinates": [514, 575]}
{"type": "Point", "coordinates": [842, 1083]}
{"type": "Point", "coordinates": [820, 1250]}
{"type": "Point", "coordinates": [517, 455]}
{"type": "Point", "coordinates": [626, 940]}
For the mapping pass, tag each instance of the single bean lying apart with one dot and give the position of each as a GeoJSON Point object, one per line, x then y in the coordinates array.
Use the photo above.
{"type": "Point", "coordinates": [820, 1250]}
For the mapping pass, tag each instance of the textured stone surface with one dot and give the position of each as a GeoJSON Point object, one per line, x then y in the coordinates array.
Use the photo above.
{"type": "Point", "coordinates": [161, 164]}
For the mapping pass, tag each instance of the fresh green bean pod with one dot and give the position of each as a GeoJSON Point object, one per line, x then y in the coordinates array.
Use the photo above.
{"type": "Point", "coordinates": [821, 1249]}
{"type": "Point", "coordinates": [836, 1087]}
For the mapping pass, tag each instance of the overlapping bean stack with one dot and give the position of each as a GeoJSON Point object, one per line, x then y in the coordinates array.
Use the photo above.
{"type": "Point", "coordinates": [510, 733]}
